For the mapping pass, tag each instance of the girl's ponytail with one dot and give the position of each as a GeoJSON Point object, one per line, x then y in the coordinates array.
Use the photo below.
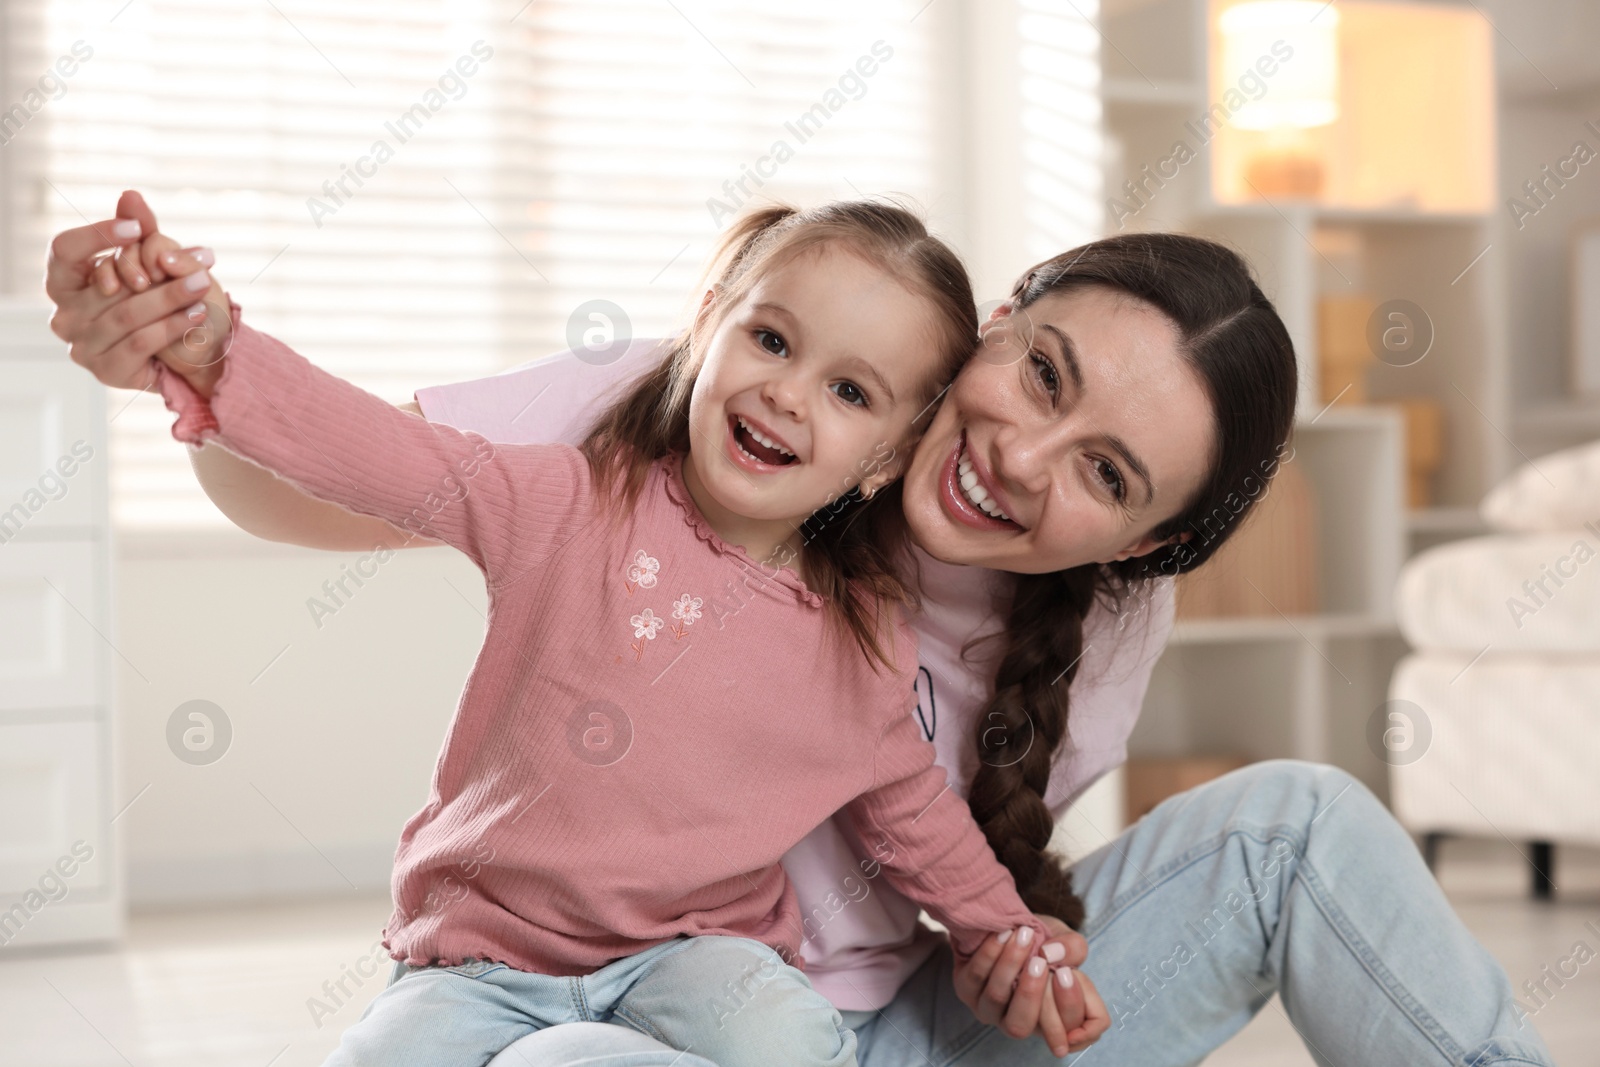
{"type": "Point", "coordinates": [731, 255]}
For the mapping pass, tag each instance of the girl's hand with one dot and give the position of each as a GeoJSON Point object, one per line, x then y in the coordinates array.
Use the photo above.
{"type": "Point", "coordinates": [183, 321]}
{"type": "Point", "coordinates": [1005, 982]}
{"type": "Point", "coordinates": [133, 268]}
{"type": "Point", "coordinates": [1096, 1020]}
{"type": "Point", "coordinates": [195, 356]}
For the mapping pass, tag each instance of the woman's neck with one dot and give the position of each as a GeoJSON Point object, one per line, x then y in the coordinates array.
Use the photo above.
{"type": "Point", "coordinates": [771, 541]}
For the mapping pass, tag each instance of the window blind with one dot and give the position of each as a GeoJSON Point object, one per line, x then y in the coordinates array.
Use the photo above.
{"type": "Point", "coordinates": [420, 192]}
{"type": "Point", "coordinates": [427, 191]}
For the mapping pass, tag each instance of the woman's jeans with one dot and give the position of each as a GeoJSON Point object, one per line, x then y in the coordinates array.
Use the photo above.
{"type": "Point", "coordinates": [1284, 878]}
{"type": "Point", "coordinates": [728, 999]}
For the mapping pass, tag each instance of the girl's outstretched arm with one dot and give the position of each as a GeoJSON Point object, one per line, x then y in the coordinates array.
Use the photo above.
{"type": "Point", "coordinates": [119, 295]}
{"type": "Point", "coordinates": [507, 507]}
{"type": "Point", "coordinates": [261, 503]}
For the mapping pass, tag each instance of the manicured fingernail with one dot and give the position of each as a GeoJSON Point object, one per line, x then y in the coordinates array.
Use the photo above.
{"type": "Point", "coordinates": [1024, 935]}
{"type": "Point", "coordinates": [140, 281]}
{"type": "Point", "coordinates": [1054, 952]}
{"type": "Point", "coordinates": [127, 228]}
{"type": "Point", "coordinates": [1035, 967]}
{"type": "Point", "coordinates": [197, 312]}
{"type": "Point", "coordinates": [204, 256]}
{"type": "Point", "coordinates": [1064, 977]}
{"type": "Point", "coordinates": [1004, 936]}
{"type": "Point", "coordinates": [196, 282]}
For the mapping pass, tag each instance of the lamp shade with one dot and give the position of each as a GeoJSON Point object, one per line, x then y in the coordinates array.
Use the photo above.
{"type": "Point", "coordinates": [1303, 91]}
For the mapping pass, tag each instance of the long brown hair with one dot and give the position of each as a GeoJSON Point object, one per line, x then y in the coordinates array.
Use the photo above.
{"type": "Point", "coordinates": [853, 546]}
{"type": "Point", "coordinates": [1235, 341]}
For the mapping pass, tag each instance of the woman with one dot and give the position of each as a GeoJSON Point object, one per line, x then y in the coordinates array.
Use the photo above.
{"type": "Point", "coordinates": [1125, 393]}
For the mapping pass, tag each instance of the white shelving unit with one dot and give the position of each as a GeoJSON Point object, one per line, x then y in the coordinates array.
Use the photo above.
{"type": "Point", "coordinates": [1305, 687]}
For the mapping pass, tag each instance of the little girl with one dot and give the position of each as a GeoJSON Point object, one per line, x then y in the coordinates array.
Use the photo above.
{"type": "Point", "coordinates": [663, 705]}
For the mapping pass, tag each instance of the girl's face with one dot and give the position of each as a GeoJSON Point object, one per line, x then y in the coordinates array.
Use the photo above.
{"type": "Point", "coordinates": [1076, 429]}
{"type": "Point", "coordinates": [808, 387]}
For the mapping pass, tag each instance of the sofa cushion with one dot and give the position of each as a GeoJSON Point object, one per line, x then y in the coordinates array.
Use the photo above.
{"type": "Point", "coordinates": [1560, 491]}
{"type": "Point", "coordinates": [1529, 592]}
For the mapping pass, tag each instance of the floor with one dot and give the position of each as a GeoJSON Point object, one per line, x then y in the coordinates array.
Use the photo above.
{"type": "Point", "coordinates": [233, 988]}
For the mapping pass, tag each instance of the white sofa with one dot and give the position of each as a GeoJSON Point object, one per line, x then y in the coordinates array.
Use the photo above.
{"type": "Point", "coordinates": [1505, 676]}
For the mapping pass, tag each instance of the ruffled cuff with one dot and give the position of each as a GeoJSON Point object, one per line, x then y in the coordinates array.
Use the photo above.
{"type": "Point", "coordinates": [196, 421]}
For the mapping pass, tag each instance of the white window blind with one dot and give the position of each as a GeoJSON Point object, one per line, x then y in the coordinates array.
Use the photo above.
{"type": "Point", "coordinates": [1062, 124]}
{"type": "Point", "coordinates": [593, 151]}
{"type": "Point", "coordinates": [425, 191]}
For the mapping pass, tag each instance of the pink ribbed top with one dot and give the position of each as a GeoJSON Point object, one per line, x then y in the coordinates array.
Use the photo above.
{"type": "Point", "coordinates": [654, 719]}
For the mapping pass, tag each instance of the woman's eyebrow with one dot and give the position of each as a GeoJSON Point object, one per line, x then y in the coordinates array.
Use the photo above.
{"type": "Point", "coordinates": [1069, 355]}
{"type": "Point", "coordinates": [1119, 446]}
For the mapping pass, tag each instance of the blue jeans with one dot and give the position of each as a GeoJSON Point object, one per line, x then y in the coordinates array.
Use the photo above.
{"type": "Point", "coordinates": [728, 999]}
{"type": "Point", "coordinates": [1284, 878]}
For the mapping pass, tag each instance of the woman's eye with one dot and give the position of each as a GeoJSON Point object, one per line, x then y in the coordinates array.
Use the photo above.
{"type": "Point", "coordinates": [1108, 474]}
{"type": "Point", "coordinates": [850, 393]}
{"type": "Point", "coordinates": [1045, 372]}
{"type": "Point", "coordinates": [771, 342]}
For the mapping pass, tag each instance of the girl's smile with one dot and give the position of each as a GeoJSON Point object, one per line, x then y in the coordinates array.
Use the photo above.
{"type": "Point", "coordinates": [756, 449]}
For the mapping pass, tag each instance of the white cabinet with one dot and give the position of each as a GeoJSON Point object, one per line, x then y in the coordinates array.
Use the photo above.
{"type": "Point", "coordinates": [51, 799]}
{"type": "Point", "coordinates": [49, 650]}
{"type": "Point", "coordinates": [59, 863]}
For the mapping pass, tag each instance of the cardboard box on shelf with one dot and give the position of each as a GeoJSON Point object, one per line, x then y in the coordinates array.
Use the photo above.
{"type": "Point", "coordinates": [1343, 352]}
{"type": "Point", "coordinates": [1268, 566]}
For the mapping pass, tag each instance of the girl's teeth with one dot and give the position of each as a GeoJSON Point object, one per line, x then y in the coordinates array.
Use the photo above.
{"type": "Point", "coordinates": [762, 439]}
{"type": "Point", "coordinates": [974, 492]}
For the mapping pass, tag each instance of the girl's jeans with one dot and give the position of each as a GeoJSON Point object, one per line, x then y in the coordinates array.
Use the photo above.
{"type": "Point", "coordinates": [728, 999]}
{"type": "Point", "coordinates": [1283, 877]}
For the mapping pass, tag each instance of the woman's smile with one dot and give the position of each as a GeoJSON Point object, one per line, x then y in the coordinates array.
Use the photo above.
{"type": "Point", "coordinates": [969, 493]}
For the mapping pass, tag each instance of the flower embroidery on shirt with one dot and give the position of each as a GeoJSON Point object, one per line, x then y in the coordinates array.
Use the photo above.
{"type": "Point", "coordinates": [645, 626]}
{"type": "Point", "coordinates": [687, 608]}
{"type": "Point", "coordinates": [642, 571]}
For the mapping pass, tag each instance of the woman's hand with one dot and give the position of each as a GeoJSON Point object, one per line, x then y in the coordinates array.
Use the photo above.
{"type": "Point", "coordinates": [147, 299]}
{"type": "Point", "coordinates": [1005, 982]}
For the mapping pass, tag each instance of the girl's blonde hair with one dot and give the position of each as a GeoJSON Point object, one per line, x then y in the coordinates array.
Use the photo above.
{"type": "Point", "coordinates": [852, 547]}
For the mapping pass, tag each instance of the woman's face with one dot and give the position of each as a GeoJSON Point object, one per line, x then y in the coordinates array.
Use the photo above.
{"type": "Point", "coordinates": [1076, 429]}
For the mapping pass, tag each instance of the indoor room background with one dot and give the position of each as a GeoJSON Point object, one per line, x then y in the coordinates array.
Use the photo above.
{"type": "Point", "coordinates": [424, 192]}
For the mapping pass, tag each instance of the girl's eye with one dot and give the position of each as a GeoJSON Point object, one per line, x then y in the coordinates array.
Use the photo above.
{"type": "Point", "coordinates": [1111, 478]}
{"type": "Point", "coordinates": [772, 343]}
{"type": "Point", "coordinates": [850, 393]}
{"type": "Point", "coordinates": [1045, 372]}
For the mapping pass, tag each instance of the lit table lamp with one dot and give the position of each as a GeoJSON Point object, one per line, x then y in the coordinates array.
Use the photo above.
{"type": "Point", "coordinates": [1302, 93]}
